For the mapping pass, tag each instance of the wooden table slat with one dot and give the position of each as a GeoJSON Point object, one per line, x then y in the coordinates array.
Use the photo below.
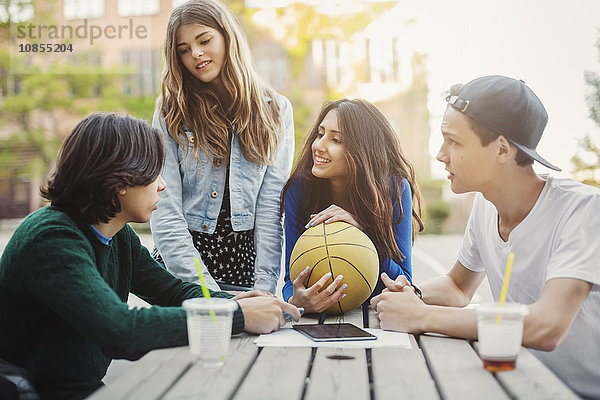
{"type": "Point", "coordinates": [152, 376]}
{"type": "Point", "coordinates": [532, 380]}
{"type": "Point", "coordinates": [402, 373]}
{"type": "Point", "coordinates": [339, 379]}
{"type": "Point", "coordinates": [372, 318]}
{"type": "Point", "coordinates": [277, 373]}
{"type": "Point", "coordinates": [217, 383]}
{"type": "Point", "coordinates": [458, 371]}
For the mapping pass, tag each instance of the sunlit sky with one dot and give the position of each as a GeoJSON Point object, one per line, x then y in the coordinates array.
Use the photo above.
{"type": "Point", "coordinates": [547, 43]}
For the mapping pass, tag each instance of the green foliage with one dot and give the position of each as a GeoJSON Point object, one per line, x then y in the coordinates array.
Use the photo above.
{"type": "Point", "coordinates": [593, 81]}
{"type": "Point", "coordinates": [435, 210]}
{"type": "Point", "coordinates": [588, 172]}
{"type": "Point", "coordinates": [35, 101]}
{"type": "Point", "coordinates": [302, 24]}
{"type": "Point", "coordinates": [587, 168]}
{"type": "Point", "coordinates": [140, 107]}
{"type": "Point", "coordinates": [436, 213]}
{"type": "Point", "coordinates": [438, 210]}
{"type": "Point", "coordinates": [237, 6]}
{"type": "Point", "coordinates": [32, 112]}
{"type": "Point", "coordinates": [307, 24]}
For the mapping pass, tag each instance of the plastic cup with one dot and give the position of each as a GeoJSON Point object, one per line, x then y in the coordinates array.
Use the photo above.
{"type": "Point", "coordinates": [500, 333]}
{"type": "Point", "coordinates": [209, 329]}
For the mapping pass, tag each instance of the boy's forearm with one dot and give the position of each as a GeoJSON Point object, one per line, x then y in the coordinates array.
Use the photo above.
{"type": "Point", "coordinates": [442, 291]}
{"type": "Point", "coordinates": [451, 321]}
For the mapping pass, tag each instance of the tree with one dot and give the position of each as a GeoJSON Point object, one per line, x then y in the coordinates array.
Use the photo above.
{"type": "Point", "coordinates": [39, 107]}
{"type": "Point", "coordinates": [587, 165]}
{"type": "Point", "coordinates": [296, 26]}
{"type": "Point", "coordinates": [37, 104]}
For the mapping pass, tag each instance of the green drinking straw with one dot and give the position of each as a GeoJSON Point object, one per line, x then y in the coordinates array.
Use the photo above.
{"type": "Point", "coordinates": [205, 291]}
{"type": "Point", "coordinates": [206, 295]}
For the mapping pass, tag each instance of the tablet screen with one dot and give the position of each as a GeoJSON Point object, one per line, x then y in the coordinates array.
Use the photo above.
{"type": "Point", "coordinates": [333, 332]}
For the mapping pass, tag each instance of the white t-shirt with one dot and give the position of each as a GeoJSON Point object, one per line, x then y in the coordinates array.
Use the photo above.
{"type": "Point", "coordinates": [559, 238]}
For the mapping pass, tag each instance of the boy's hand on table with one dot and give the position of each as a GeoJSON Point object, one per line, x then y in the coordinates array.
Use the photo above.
{"type": "Point", "coordinates": [251, 293]}
{"type": "Point", "coordinates": [264, 314]}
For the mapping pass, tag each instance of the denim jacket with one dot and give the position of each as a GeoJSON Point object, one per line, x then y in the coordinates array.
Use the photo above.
{"type": "Point", "coordinates": [193, 197]}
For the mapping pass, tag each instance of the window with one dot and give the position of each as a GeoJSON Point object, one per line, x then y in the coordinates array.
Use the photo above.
{"type": "Point", "coordinates": [81, 9]}
{"type": "Point", "coordinates": [145, 75]}
{"type": "Point", "coordinates": [129, 8]}
{"type": "Point", "coordinates": [383, 60]}
{"type": "Point", "coordinates": [330, 63]}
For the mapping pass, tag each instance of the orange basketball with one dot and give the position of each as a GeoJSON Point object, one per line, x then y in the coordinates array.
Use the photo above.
{"type": "Point", "coordinates": [342, 249]}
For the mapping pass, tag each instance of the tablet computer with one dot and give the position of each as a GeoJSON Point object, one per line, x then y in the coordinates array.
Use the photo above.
{"type": "Point", "coordinates": [333, 332]}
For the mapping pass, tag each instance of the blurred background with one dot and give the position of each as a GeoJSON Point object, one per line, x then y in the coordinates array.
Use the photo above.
{"type": "Point", "coordinates": [400, 55]}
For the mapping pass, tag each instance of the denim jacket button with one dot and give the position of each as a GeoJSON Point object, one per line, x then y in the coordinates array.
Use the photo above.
{"type": "Point", "coordinates": [204, 227]}
{"type": "Point", "coordinates": [214, 194]}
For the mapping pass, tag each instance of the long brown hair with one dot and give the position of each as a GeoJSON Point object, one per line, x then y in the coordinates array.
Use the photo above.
{"type": "Point", "coordinates": [376, 166]}
{"type": "Point", "coordinates": [186, 101]}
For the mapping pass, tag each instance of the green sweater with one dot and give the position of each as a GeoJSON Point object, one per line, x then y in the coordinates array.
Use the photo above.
{"type": "Point", "coordinates": [63, 303]}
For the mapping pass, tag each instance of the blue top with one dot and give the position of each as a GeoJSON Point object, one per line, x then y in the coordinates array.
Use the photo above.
{"type": "Point", "coordinates": [294, 227]}
{"type": "Point", "coordinates": [104, 239]}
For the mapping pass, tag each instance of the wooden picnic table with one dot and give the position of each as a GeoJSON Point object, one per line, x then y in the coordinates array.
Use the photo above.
{"type": "Point", "coordinates": [435, 367]}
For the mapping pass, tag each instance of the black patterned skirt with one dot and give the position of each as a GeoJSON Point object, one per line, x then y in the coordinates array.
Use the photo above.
{"type": "Point", "coordinates": [228, 255]}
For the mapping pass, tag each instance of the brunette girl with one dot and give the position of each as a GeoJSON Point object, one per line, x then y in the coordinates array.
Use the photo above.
{"type": "Point", "coordinates": [351, 169]}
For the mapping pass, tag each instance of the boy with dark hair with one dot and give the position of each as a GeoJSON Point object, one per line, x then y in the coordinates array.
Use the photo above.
{"type": "Point", "coordinates": [67, 271]}
{"type": "Point", "coordinates": [550, 224]}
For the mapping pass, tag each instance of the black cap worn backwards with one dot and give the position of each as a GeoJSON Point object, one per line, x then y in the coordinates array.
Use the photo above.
{"type": "Point", "coordinates": [508, 107]}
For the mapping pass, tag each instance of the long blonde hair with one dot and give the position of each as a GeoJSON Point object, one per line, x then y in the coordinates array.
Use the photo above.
{"type": "Point", "coordinates": [187, 101]}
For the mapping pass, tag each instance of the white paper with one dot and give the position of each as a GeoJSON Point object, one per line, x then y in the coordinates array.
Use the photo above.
{"type": "Point", "coordinates": [288, 337]}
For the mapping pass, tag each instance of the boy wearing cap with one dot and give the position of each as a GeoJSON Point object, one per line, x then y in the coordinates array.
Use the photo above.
{"type": "Point", "coordinates": [491, 128]}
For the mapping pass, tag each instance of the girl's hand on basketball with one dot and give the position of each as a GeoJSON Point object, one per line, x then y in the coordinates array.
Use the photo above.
{"type": "Point", "coordinates": [331, 214]}
{"type": "Point", "coordinates": [316, 298]}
